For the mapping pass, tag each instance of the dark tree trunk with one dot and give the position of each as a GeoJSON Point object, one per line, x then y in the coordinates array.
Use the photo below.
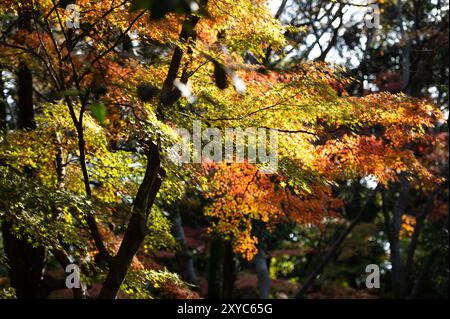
{"type": "Point", "coordinates": [3, 121]}
{"type": "Point", "coordinates": [229, 275]}
{"type": "Point", "coordinates": [137, 227]}
{"type": "Point", "coordinates": [422, 275]}
{"type": "Point", "coordinates": [262, 271]}
{"type": "Point", "coordinates": [26, 263]}
{"type": "Point", "coordinates": [25, 98]}
{"type": "Point", "coordinates": [393, 228]}
{"type": "Point", "coordinates": [420, 221]}
{"type": "Point", "coordinates": [184, 255]}
{"type": "Point", "coordinates": [333, 249]}
{"type": "Point", "coordinates": [215, 269]}
{"type": "Point", "coordinates": [221, 272]}
{"type": "Point", "coordinates": [312, 278]}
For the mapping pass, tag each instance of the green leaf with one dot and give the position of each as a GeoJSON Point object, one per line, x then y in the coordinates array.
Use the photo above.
{"type": "Point", "coordinates": [98, 111]}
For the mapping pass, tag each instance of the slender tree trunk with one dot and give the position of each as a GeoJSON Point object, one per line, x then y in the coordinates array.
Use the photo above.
{"type": "Point", "coordinates": [3, 122]}
{"type": "Point", "coordinates": [25, 96]}
{"type": "Point", "coordinates": [312, 278]}
{"type": "Point", "coordinates": [405, 57]}
{"type": "Point", "coordinates": [398, 279]}
{"type": "Point", "coordinates": [137, 227]}
{"type": "Point", "coordinates": [215, 269]}
{"type": "Point", "coordinates": [184, 255]}
{"type": "Point", "coordinates": [420, 221]}
{"type": "Point", "coordinates": [229, 275]}
{"type": "Point", "coordinates": [363, 64]}
{"type": "Point", "coordinates": [262, 272]}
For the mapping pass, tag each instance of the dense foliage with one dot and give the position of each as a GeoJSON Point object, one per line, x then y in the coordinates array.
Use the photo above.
{"type": "Point", "coordinates": [90, 114]}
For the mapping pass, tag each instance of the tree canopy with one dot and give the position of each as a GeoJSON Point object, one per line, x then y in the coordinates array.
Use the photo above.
{"type": "Point", "coordinates": [92, 103]}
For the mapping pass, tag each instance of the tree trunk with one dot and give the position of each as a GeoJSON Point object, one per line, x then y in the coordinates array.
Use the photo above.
{"type": "Point", "coordinates": [423, 274]}
{"type": "Point", "coordinates": [420, 221]}
{"type": "Point", "coordinates": [25, 96]}
{"type": "Point", "coordinates": [398, 279]}
{"type": "Point", "coordinates": [262, 272]}
{"type": "Point", "coordinates": [184, 255]}
{"type": "Point", "coordinates": [312, 278]}
{"type": "Point", "coordinates": [3, 121]}
{"type": "Point", "coordinates": [229, 275]}
{"type": "Point", "coordinates": [215, 269]}
{"type": "Point", "coordinates": [137, 226]}
{"type": "Point", "coordinates": [26, 263]}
